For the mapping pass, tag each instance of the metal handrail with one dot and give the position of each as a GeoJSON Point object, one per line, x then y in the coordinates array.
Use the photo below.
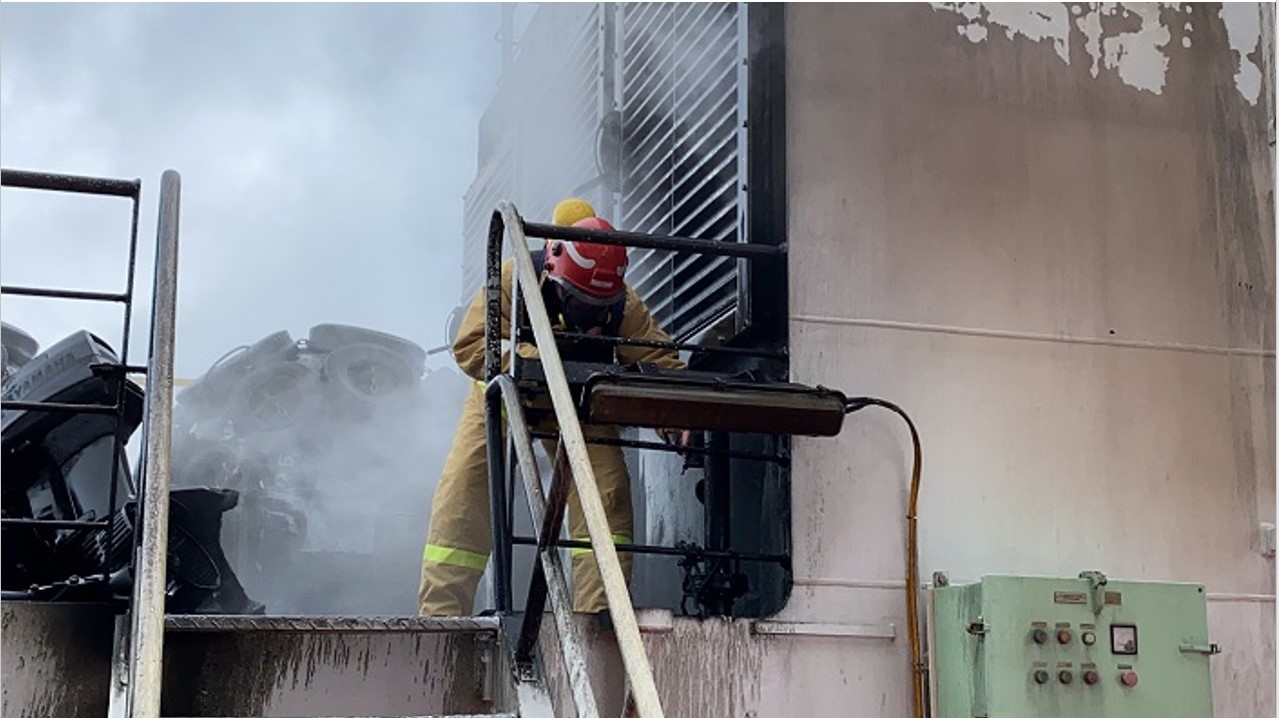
{"type": "Point", "coordinates": [146, 652]}
{"type": "Point", "coordinates": [677, 346]}
{"type": "Point", "coordinates": [653, 241]}
{"type": "Point", "coordinates": [60, 407]}
{"type": "Point", "coordinates": [691, 550]}
{"type": "Point", "coordinates": [70, 183]}
{"type": "Point", "coordinates": [65, 294]}
{"type": "Point", "coordinates": [507, 221]}
{"type": "Point", "coordinates": [779, 459]}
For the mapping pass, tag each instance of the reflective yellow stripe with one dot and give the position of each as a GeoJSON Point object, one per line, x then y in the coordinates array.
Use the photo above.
{"type": "Point", "coordinates": [455, 557]}
{"type": "Point", "coordinates": [481, 387]}
{"type": "Point", "coordinates": [617, 538]}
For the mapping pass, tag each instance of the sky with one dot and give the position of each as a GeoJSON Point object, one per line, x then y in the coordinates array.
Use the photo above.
{"type": "Point", "coordinates": [324, 152]}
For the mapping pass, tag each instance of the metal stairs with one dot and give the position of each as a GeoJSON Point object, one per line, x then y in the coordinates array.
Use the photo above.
{"type": "Point", "coordinates": [215, 666]}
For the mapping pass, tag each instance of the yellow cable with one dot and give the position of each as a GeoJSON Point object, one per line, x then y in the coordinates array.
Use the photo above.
{"type": "Point", "coordinates": [912, 554]}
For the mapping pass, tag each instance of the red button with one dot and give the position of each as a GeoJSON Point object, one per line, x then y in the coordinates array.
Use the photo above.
{"type": "Point", "coordinates": [1063, 636]}
{"type": "Point", "coordinates": [1090, 677]}
{"type": "Point", "coordinates": [1128, 678]}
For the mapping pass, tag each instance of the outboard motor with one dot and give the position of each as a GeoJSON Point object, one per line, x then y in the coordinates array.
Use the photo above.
{"type": "Point", "coordinates": [60, 466]}
{"type": "Point", "coordinates": [17, 348]}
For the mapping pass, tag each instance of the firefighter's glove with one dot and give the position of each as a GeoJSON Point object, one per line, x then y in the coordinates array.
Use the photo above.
{"type": "Point", "coordinates": [680, 438]}
{"type": "Point", "coordinates": [675, 437]}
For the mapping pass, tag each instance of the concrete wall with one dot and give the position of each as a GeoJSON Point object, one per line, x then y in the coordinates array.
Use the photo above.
{"type": "Point", "coordinates": [1047, 233]}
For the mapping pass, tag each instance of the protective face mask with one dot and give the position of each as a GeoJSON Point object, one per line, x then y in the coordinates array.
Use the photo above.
{"type": "Point", "coordinates": [578, 316]}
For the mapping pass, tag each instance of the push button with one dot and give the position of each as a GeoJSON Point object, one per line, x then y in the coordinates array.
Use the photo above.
{"type": "Point", "coordinates": [1064, 636]}
{"type": "Point", "coordinates": [1041, 676]}
{"type": "Point", "coordinates": [1065, 677]}
{"type": "Point", "coordinates": [1039, 635]}
{"type": "Point", "coordinates": [1091, 677]}
{"type": "Point", "coordinates": [1128, 678]}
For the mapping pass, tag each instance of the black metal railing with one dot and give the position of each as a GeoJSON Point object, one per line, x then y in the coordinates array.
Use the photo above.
{"type": "Point", "coordinates": [500, 490]}
{"type": "Point", "coordinates": [503, 408]}
{"type": "Point", "coordinates": [145, 638]}
{"type": "Point", "coordinates": [131, 190]}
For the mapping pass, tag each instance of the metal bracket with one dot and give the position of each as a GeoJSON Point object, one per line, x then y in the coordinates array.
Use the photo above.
{"type": "Point", "coordinates": [1210, 649]}
{"type": "Point", "coordinates": [525, 668]}
{"type": "Point", "coordinates": [886, 631]}
{"type": "Point", "coordinates": [118, 699]}
{"type": "Point", "coordinates": [488, 659]}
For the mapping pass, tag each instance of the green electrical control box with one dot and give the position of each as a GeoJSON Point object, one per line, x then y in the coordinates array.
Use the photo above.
{"type": "Point", "coordinates": [1087, 647]}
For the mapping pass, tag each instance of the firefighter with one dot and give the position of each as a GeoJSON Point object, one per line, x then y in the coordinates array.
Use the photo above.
{"type": "Point", "coordinates": [585, 292]}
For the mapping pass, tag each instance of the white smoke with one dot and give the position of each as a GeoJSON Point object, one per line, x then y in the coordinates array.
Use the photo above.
{"type": "Point", "coordinates": [321, 179]}
{"type": "Point", "coordinates": [335, 450]}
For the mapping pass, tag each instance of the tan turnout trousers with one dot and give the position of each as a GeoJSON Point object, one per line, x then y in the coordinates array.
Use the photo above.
{"type": "Point", "coordinates": [461, 538]}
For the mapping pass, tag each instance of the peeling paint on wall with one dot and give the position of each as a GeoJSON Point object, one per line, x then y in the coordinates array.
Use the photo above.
{"type": "Point", "coordinates": [1036, 22]}
{"type": "Point", "coordinates": [1135, 40]}
{"type": "Point", "coordinates": [1243, 27]}
{"type": "Point", "coordinates": [1139, 56]}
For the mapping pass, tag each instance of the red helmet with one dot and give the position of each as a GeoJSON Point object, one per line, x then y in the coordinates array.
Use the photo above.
{"type": "Point", "coordinates": [591, 272]}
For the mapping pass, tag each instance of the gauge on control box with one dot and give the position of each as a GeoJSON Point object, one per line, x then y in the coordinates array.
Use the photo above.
{"type": "Point", "coordinates": [1123, 639]}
